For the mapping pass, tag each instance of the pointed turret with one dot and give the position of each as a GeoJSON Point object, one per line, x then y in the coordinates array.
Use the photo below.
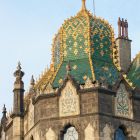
{"type": "Point", "coordinates": [32, 84]}
{"type": "Point", "coordinates": [18, 111]}
{"type": "Point", "coordinates": [18, 92]}
{"type": "Point", "coordinates": [4, 118]}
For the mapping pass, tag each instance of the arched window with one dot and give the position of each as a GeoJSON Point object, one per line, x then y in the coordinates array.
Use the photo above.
{"type": "Point", "coordinates": [120, 134]}
{"type": "Point", "coordinates": [70, 133]}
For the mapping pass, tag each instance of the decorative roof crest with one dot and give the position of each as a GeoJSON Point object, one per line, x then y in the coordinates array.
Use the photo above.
{"type": "Point", "coordinates": [88, 83]}
{"type": "Point", "coordinates": [49, 89]}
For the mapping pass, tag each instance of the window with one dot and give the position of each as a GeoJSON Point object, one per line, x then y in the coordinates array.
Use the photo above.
{"type": "Point", "coordinates": [70, 133]}
{"type": "Point", "coordinates": [120, 134]}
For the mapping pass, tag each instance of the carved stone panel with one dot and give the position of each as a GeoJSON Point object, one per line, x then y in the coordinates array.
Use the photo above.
{"type": "Point", "coordinates": [123, 106]}
{"type": "Point", "coordinates": [107, 132]}
{"type": "Point", "coordinates": [69, 101]}
{"type": "Point", "coordinates": [89, 132]}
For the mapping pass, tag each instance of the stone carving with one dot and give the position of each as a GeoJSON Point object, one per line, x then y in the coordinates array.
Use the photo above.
{"type": "Point", "coordinates": [89, 132]}
{"type": "Point", "coordinates": [49, 89]}
{"type": "Point", "coordinates": [107, 132]}
{"type": "Point", "coordinates": [69, 101]}
{"type": "Point", "coordinates": [31, 115]}
{"type": "Point", "coordinates": [88, 83]}
{"type": "Point", "coordinates": [122, 103]}
{"type": "Point", "coordinates": [50, 135]}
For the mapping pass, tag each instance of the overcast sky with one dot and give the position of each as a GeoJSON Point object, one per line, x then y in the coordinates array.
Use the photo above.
{"type": "Point", "coordinates": [27, 28]}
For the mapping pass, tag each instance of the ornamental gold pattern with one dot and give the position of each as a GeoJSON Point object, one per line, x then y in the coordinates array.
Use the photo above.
{"type": "Point", "coordinates": [88, 42]}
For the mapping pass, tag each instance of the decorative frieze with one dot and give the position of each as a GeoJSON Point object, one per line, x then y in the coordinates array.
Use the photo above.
{"type": "Point", "coordinates": [107, 133]}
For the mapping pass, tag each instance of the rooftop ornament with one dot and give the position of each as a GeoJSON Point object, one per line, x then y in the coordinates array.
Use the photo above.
{"type": "Point", "coordinates": [83, 5]}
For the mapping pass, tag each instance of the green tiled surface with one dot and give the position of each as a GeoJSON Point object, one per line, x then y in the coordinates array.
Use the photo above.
{"type": "Point", "coordinates": [134, 73]}
{"type": "Point", "coordinates": [76, 50]}
{"type": "Point", "coordinates": [80, 68]}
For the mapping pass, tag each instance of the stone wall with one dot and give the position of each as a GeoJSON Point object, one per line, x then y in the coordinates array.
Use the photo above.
{"type": "Point", "coordinates": [106, 101]}
{"type": "Point", "coordinates": [46, 108]}
{"type": "Point", "coordinates": [95, 120]}
{"type": "Point", "coordinates": [54, 128]}
{"type": "Point", "coordinates": [89, 102]}
{"type": "Point", "coordinates": [9, 133]}
{"type": "Point", "coordinates": [136, 109]}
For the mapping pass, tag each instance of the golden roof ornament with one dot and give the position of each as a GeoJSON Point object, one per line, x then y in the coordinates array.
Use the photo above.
{"type": "Point", "coordinates": [83, 5]}
{"type": "Point", "coordinates": [49, 89]}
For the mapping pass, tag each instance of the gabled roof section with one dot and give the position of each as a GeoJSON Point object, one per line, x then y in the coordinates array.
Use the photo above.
{"type": "Point", "coordinates": [71, 79]}
{"type": "Point", "coordinates": [134, 71]}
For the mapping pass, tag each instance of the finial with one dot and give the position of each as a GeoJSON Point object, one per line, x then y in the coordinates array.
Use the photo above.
{"type": "Point", "coordinates": [32, 82]}
{"type": "Point", "coordinates": [119, 21]}
{"type": "Point", "coordinates": [4, 109]}
{"type": "Point", "coordinates": [83, 5]}
{"type": "Point", "coordinates": [4, 118]}
{"type": "Point", "coordinates": [19, 66]}
{"type": "Point", "coordinates": [68, 68]}
{"type": "Point", "coordinates": [18, 72]}
{"type": "Point", "coordinates": [126, 23]}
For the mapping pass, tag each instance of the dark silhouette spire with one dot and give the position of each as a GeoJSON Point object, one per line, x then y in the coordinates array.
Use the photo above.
{"type": "Point", "coordinates": [4, 118]}
{"type": "Point", "coordinates": [122, 28]}
{"type": "Point", "coordinates": [32, 84]}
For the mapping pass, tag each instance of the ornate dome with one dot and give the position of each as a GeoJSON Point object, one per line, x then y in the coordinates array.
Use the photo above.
{"type": "Point", "coordinates": [81, 35]}
{"type": "Point", "coordinates": [86, 42]}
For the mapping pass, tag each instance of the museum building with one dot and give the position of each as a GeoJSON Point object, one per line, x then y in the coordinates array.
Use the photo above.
{"type": "Point", "coordinates": [89, 92]}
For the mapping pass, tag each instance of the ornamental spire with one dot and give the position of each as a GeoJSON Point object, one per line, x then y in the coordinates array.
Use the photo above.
{"type": "Point", "coordinates": [32, 84]}
{"type": "Point", "coordinates": [83, 5]}
{"type": "Point", "coordinates": [4, 118]}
